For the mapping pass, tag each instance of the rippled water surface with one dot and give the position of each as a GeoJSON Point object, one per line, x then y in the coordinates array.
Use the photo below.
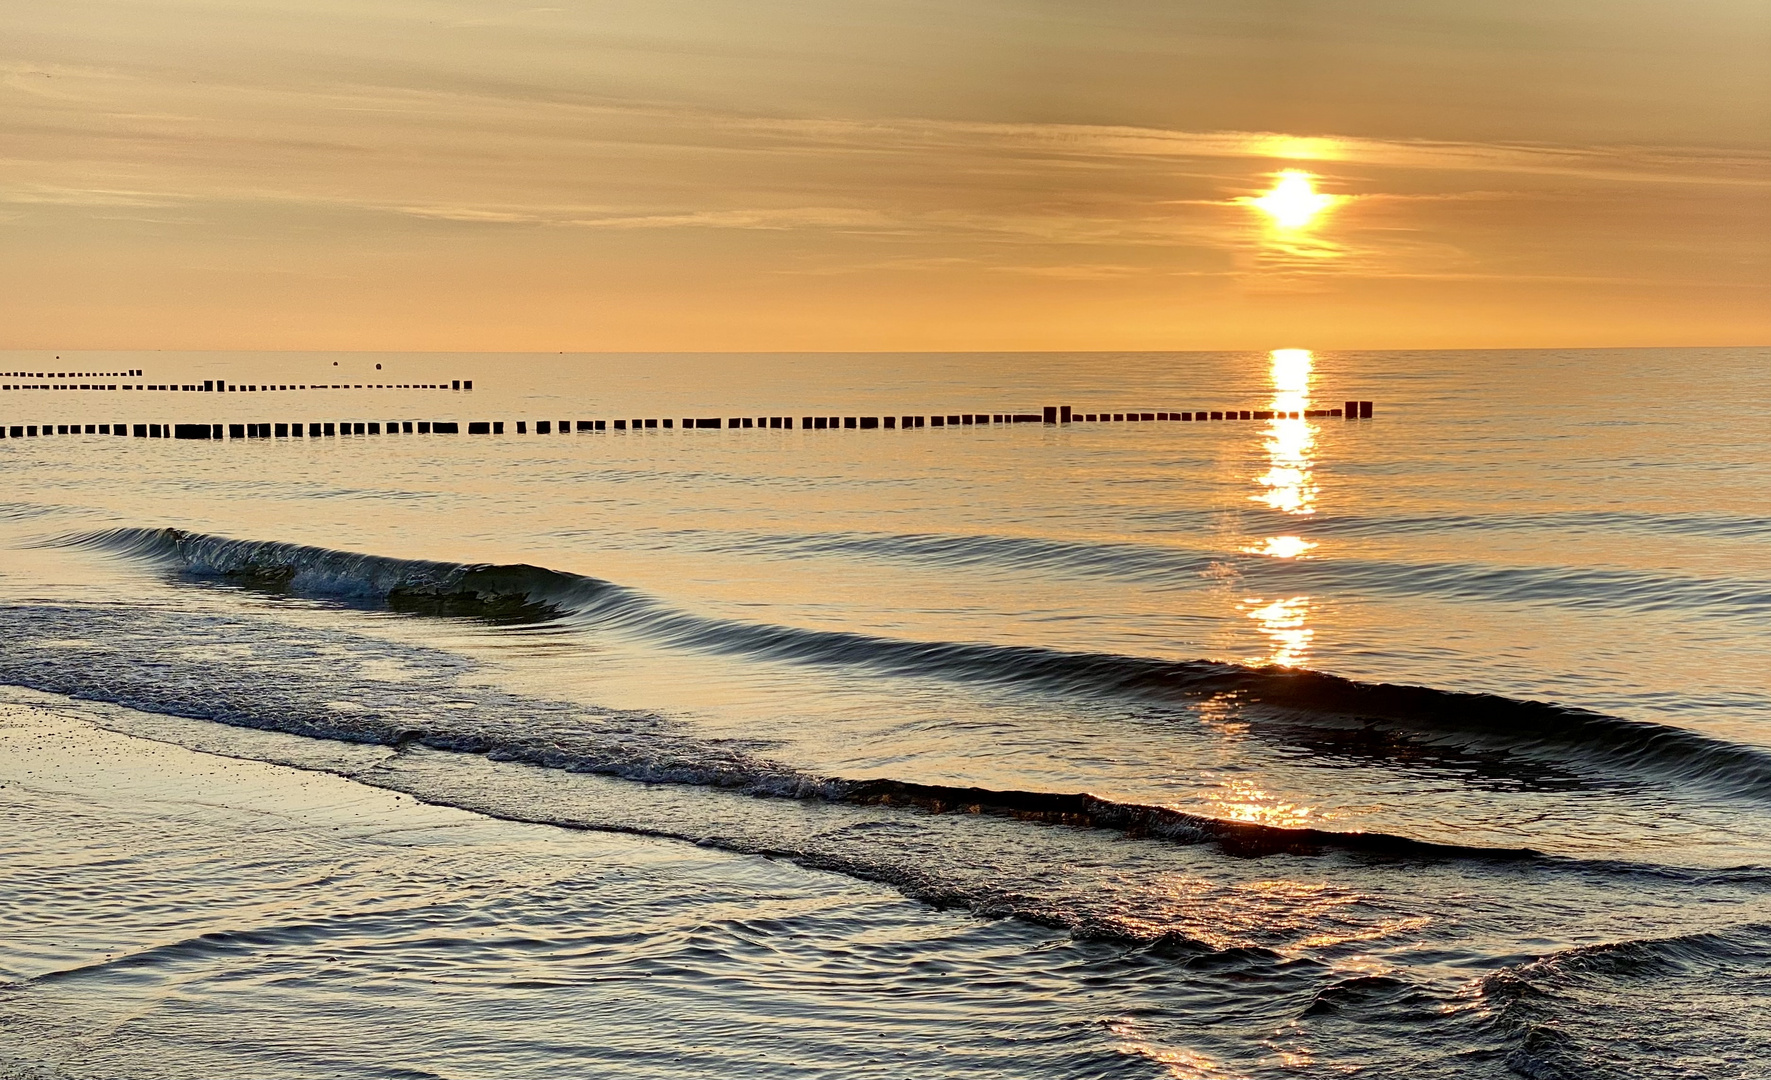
{"type": "Point", "coordinates": [1435, 741]}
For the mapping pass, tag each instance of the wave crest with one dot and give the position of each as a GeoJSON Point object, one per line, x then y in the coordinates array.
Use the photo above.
{"type": "Point", "coordinates": [525, 592]}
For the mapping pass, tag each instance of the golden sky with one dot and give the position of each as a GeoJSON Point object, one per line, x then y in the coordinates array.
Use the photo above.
{"type": "Point", "coordinates": [882, 174]}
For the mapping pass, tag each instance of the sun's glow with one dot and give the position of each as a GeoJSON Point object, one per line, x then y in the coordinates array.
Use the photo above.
{"type": "Point", "coordinates": [1298, 147]}
{"type": "Point", "coordinates": [1293, 201]}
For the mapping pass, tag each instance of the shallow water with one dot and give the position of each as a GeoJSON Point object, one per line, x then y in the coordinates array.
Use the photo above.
{"type": "Point", "coordinates": [1434, 741]}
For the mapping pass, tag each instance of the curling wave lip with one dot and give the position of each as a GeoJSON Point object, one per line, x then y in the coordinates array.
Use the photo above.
{"type": "Point", "coordinates": [524, 592]}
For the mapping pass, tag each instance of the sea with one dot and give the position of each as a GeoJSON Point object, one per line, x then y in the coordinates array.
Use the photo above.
{"type": "Point", "coordinates": [1430, 744]}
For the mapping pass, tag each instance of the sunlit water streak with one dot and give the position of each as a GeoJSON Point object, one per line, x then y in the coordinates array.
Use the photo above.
{"type": "Point", "coordinates": [1288, 486]}
{"type": "Point", "coordinates": [888, 662]}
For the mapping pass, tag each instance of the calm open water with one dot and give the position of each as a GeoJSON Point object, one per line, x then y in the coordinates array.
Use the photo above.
{"type": "Point", "coordinates": [1435, 744]}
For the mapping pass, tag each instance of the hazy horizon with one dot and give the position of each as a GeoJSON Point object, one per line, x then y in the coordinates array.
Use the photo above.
{"type": "Point", "coordinates": [883, 176]}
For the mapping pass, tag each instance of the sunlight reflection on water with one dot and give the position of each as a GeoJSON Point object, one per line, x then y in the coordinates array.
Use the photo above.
{"type": "Point", "coordinates": [1288, 486]}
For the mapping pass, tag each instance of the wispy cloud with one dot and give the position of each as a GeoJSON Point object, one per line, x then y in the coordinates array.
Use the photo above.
{"type": "Point", "coordinates": [464, 155]}
{"type": "Point", "coordinates": [773, 219]}
{"type": "Point", "coordinates": [27, 195]}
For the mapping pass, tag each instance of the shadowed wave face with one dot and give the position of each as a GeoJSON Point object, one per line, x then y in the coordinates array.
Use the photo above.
{"type": "Point", "coordinates": [524, 593]}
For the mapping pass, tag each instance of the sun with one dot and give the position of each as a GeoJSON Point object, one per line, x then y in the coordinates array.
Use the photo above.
{"type": "Point", "coordinates": [1294, 201]}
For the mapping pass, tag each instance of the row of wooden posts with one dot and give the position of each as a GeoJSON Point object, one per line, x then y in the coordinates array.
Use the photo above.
{"type": "Point", "coordinates": [210, 386]}
{"type": "Point", "coordinates": [1051, 414]}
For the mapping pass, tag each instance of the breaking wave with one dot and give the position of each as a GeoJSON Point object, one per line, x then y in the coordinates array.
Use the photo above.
{"type": "Point", "coordinates": [521, 592]}
{"type": "Point", "coordinates": [917, 837]}
{"type": "Point", "coordinates": [1581, 1012]}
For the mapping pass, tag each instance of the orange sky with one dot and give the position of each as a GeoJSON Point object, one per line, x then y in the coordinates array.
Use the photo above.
{"type": "Point", "coordinates": [882, 174]}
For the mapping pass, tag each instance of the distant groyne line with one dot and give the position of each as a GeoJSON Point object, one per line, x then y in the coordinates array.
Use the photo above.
{"type": "Point", "coordinates": [65, 380]}
{"type": "Point", "coordinates": [1051, 414]}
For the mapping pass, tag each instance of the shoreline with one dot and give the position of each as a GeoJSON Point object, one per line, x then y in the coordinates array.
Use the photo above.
{"type": "Point", "coordinates": [179, 913]}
